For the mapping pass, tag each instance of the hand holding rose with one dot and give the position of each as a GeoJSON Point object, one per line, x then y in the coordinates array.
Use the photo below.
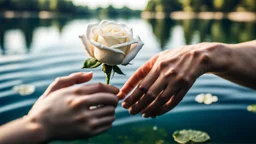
{"type": "Point", "coordinates": [64, 113]}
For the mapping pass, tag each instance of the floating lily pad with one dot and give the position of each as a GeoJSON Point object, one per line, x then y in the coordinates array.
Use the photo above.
{"type": "Point", "coordinates": [193, 136]}
{"type": "Point", "coordinates": [252, 108]}
{"type": "Point", "coordinates": [24, 89]}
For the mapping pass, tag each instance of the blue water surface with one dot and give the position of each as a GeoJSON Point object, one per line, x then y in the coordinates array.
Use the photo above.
{"type": "Point", "coordinates": [40, 50]}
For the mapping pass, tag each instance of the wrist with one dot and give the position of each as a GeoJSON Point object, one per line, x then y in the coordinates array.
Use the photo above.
{"type": "Point", "coordinates": [218, 58]}
{"type": "Point", "coordinates": [22, 130]}
{"type": "Point", "coordinates": [35, 128]}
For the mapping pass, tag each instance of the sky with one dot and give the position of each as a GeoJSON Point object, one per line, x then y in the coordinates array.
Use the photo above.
{"type": "Point", "coordinates": [133, 4]}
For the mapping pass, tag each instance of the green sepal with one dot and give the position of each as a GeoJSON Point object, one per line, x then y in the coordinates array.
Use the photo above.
{"type": "Point", "coordinates": [91, 63]}
{"type": "Point", "coordinates": [118, 70]}
{"type": "Point", "coordinates": [107, 70]}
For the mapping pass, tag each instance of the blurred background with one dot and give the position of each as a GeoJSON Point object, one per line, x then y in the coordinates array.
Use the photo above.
{"type": "Point", "coordinates": [39, 42]}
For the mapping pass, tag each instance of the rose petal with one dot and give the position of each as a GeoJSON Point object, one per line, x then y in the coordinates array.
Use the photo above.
{"type": "Point", "coordinates": [87, 46]}
{"type": "Point", "coordinates": [108, 24]}
{"type": "Point", "coordinates": [95, 33]}
{"type": "Point", "coordinates": [128, 29]}
{"type": "Point", "coordinates": [101, 46]}
{"type": "Point", "coordinates": [104, 22]}
{"type": "Point", "coordinates": [89, 29]}
{"type": "Point", "coordinates": [133, 51]}
{"type": "Point", "coordinates": [124, 44]}
{"type": "Point", "coordinates": [108, 56]}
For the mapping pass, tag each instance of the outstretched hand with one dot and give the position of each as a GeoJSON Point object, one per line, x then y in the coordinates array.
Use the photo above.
{"type": "Point", "coordinates": [163, 81]}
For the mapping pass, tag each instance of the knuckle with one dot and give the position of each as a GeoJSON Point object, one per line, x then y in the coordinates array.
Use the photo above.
{"type": "Point", "coordinates": [82, 118]}
{"type": "Point", "coordinates": [183, 78]}
{"type": "Point", "coordinates": [58, 80]}
{"type": "Point", "coordinates": [194, 53]}
{"type": "Point", "coordinates": [142, 88]}
{"type": "Point", "coordinates": [163, 98]}
{"type": "Point", "coordinates": [151, 95]}
{"type": "Point", "coordinates": [162, 65]}
{"type": "Point", "coordinates": [70, 102]}
{"type": "Point", "coordinates": [76, 102]}
{"type": "Point", "coordinates": [86, 116]}
{"type": "Point", "coordinates": [99, 86]}
{"type": "Point", "coordinates": [170, 72]}
{"type": "Point", "coordinates": [92, 123]}
{"type": "Point", "coordinates": [204, 58]}
{"type": "Point", "coordinates": [77, 91]}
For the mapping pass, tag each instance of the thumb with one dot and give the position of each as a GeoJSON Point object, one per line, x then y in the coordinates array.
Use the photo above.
{"type": "Point", "coordinates": [67, 81]}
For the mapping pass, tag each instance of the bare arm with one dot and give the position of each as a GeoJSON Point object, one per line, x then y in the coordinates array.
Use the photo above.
{"type": "Point", "coordinates": [22, 131]}
{"type": "Point", "coordinates": [242, 67]}
{"type": "Point", "coordinates": [164, 80]}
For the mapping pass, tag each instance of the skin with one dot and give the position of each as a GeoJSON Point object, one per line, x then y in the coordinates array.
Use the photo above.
{"type": "Point", "coordinates": [65, 113]}
{"type": "Point", "coordinates": [162, 82]}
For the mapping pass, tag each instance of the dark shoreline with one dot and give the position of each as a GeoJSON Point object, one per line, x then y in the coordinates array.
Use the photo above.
{"type": "Point", "coordinates": [181, 15]}
{"type": "Point", "coordinates": [51, 15]}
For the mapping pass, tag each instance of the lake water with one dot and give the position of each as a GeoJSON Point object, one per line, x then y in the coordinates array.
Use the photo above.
{"type": "Point", "coordinates": [35, 52]}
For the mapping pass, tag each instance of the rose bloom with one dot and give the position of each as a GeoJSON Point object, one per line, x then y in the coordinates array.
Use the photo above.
{"type": "Point", "coordinates": [111, 43]}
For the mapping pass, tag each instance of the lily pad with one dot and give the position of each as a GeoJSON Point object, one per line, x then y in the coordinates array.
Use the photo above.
{"type": "Point", "coordinates": [252, 108]}
{"type": "Point", "coordinates": [190, 136]}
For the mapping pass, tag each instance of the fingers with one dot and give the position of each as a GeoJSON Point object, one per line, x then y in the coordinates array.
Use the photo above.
{"type": "Point", "coordinates": [137, 77]}
{"type": "Point", "coordinates": [149, 97]}
{"type": "Point", "coordinates": [66, 81]}
{"type": "Point", "coordinates": [101, 129]}
{"type": "Point", "coordinates": [102, 124]}
{"type": "Point", "coordinates": [95, 88]}
{"type": "Point", "coordinates": [163, 98]}
{"type": "Point", "coordinates": [99, 99]}
{"type": "Point", "coordinates": [141, 89]}
{"type": "Point", "coordinates": [103, 111]}
{"type": "Point", "coordinates": [173, 102]}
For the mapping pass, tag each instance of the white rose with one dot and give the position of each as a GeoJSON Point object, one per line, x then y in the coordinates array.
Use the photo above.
{"type": "Point", "coordinates": [111, 43]}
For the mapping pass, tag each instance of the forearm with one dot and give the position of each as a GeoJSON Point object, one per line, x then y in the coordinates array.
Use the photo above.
{"type": "Point", "coordinates": [22, 131]}
{"type": "Point", "coordinates": [241, 64]}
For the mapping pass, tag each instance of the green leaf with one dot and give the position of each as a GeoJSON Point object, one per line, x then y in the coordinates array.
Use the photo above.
{"type": "Point", "coordinates": [187, 136]}
{"type": "Point", "coordinates": [252, 108]}
{"type": "Point", "coordinates": [91, 63]}
{"type": "Point", "coordinates": [107, 70]}
{"type": "Point", "coordinates": [118, 70]}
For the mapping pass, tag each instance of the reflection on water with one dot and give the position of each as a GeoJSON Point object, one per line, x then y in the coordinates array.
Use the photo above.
{"type": "Point", "coordinates": [194, 30]}
{"type": "Point", "coordinates": [206, 30]}
{"type": "Point", "coordinates": [27, 27]}
{"type": "Point", "coordinates": [54, 49]}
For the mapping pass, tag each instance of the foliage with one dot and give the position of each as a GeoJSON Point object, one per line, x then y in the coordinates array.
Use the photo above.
{"type": "Point", "coordinates": [63, 6]}
{"type": "Point", "coordinates": [200, 5]}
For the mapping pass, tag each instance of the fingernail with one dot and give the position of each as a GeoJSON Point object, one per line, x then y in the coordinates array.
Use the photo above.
{"type": "Point", "coordinates": [125, 105]}
{"type": "Point", "coordinates": [145, 116]}
{"type": "Point", "coordinates": [131, 111]}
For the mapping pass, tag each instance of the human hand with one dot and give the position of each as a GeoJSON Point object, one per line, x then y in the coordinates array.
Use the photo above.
{"type": "Point", "coordinates": [165, 79]}
{"type": "Point", "coordinates": [64, 113]}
